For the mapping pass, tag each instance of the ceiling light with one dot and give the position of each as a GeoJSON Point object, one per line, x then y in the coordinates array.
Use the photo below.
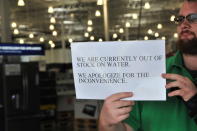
{"type": "Point", "coordinates": [31, 35]}
{"type": "Point", "coordinates": [16, 31]}
{"type": "Point", "coordinates": [128, 24]}
{"type": "Point", "coordinates": [68, 22]}
{"type": "Point", "coordinates": [145, 37]}
{"type": "Point", "coordinates": [89, 29]}
{"type": "Point", "coordinates": [156, 34]}
{"type": "Point", "coordinates": [90, 22]}
{"type": "Point", "coordinates": [52, 20]}
{"type": "Point", "coordinates": [97, 13]}
{"type": "Point", "coordinates": [50, 9]}
{"type": "Point", "coordinates": [159, 26]}
{"type": "Point", "coordinates": [147, 5]}
{"type": "Point", "coordinates": [72, 15]}
{"type": "Point", "coordinates": [51, 27]}
{"type": "Point", "coordinates": [100, 40]}
{"type": "Point", "coordinates": [86, 34]}
{"type": "Point", "coordinates": [121, 30]}
{"type": "Point", "coordinates": [54, 33]}
{"type": "Point", "coordinates": [150, 31]}
{"type": "Point", "coordinates": [51, 42]}
{"type": "Point", "coordinates": [52, 45]}
{"type": "Point", "coordinates": [175, 35]}
{"type": "Point", "coordinates": [115, 36]}
{"type": "Point", "coordinates": [135, 16]}
{"type": "Point", "coordinates": [91, 37]}
{"type": "Point", "coordinates": [99, 2]}
{"type": "Point", "coordinates": [70, 40]}
{"type": "Point", "coordinates": [21, 41]}
{"type": "Point", "coordinates": [172, 18]}
{"type": "Point", "coordinates": [14, 25]}
{"type": "Point", "coordinates": [163, 37]}
{"type": "Point", "coordinates": [21, 3]}
{"type": "Point", "coordinates": [41, 39]}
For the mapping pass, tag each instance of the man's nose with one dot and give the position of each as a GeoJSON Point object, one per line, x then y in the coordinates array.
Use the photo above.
{"type": "Point", "coordinates": [185, 24]}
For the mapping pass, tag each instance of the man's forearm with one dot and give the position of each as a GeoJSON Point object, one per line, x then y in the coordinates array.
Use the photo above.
{"type": "Point", "coordinates": [118, 127]}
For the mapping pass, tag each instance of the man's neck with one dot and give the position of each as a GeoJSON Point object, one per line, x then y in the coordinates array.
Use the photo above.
{"type": "Point", "coordinates": [190, 61]}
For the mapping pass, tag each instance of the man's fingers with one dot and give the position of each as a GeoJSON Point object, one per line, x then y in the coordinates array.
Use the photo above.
{"type": "Point", "coordinates": [119, 96]}
{"type": "Point", "coordinates": [174, 84]}
{"type": "Point", "coordinates": [176, 93]}
{"type": "Point", "coordinates": [173, 77]}
{"type": "Point", "coordinates": [123, 117]}
{"type": "Point", "coordinates": [124, 110]}
{"type": "Point", "coordinates": [123, 103]}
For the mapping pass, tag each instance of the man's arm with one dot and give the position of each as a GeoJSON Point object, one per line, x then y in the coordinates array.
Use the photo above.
{"type": "Point", "coordinates": [114, 111]}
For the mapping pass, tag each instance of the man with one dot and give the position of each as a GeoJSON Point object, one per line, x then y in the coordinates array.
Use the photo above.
{"type": "Point", "coordinates": [178, 113]}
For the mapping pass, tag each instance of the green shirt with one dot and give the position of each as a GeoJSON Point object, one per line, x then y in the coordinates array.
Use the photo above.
{"type": "Point", "coordinates": [170, 115]}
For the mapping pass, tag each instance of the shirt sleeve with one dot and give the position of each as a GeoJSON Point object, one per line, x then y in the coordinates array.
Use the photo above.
{"type": "Point", "coordinates": [134, 119]}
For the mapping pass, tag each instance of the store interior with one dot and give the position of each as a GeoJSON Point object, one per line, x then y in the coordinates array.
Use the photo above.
{"type": "Point", "coordinates": [37, 92]}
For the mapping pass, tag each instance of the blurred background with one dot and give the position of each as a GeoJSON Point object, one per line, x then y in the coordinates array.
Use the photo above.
{"type": "Point", "coordinates": [37, 91]}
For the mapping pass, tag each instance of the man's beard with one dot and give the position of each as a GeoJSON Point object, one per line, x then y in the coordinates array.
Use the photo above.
{"type": "Point", "coordinates": [188, 47]}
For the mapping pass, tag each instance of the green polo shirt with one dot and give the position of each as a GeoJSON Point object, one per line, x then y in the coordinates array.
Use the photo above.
{"type": "Point", "coordinates": [170, 115]}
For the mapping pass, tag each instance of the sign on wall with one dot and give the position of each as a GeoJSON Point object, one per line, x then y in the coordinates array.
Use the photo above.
{"type": "Point", "coordinates": [21, 49]}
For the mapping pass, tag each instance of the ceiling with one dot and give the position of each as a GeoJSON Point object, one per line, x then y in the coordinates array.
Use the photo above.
{"type": "Point", "coordinates": [72, 16]}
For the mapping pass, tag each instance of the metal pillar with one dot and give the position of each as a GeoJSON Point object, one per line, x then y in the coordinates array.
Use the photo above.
{"type": "Point", "coordinates": [106, 21]}
{"type": "Point", "coordinates": [139, 22]}
{"type": "Point", "coordinates": [5, 21]}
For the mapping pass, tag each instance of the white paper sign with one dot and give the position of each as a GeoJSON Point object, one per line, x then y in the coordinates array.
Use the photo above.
{"type": "Point", "coordinates": [104, 68]}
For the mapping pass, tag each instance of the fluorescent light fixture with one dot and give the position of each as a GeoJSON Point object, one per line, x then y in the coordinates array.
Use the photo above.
{"type": "Point", "coordinates": [145, 37]}
{"type": "Point", "coordinates": [90, 22]}
{"type": "Point", "coordinates": [172, 18]}
{"type": "Point", "coordinates": [115, 36]}
{"type": "Point", "coordinates": [52, 45]}
{"type": "Point", "coordinates": [100, 39]}
{"type": "Point", "coordinates": [91, 37]}
{"type": "Point", "coordinates": [41, 39]}
{"type": "Point", "coordinates": [127, 24]}
{"type": "Point", "coordinates": [97, 13]}
{"type": "Point", "coordinates": [54, 33]}
{"type": "Point", "coordinates": [149, 31]}
{"type": "Point", "coordinates": [52, 20]}
{"type": "Point", "coordinates": [13, 25]}
{"type": "Point", "coordinates": [51, 42]}
{"type": "Point", "coordinates": [70, 40]}
{"type": "Point", "coordinates": [86, 34]}
{"type": "Point", "coordinates": [51, 27]}
{"type": "Point", "coordinates": [159, 26]}
{"type": "Point", "coordinates": [121, 30]}
{"type": "Point", "coordinates": [16, 31]}
{"type": "Point", "coordinates": [99, 2]}
{"type": "Point", "coordinates": [21, 3]}
{"type": "Point", "coordinates": [147, 5]}
{"type": "Point", "coordinates": [50, 9]}
{"type": "Point", "coordinates": [89, 29]}
{"type": "Point", "coordinates": [21, 41]}
{"type": "Point", "coordinates": [68, 22]}
{"type": "Point", "coordinates": [163, 37]}
{"type": "Point", "coordinates": [135, 16]}
{"type": "Point", "coordinates": [175, 35]}
{"type": "Point", "coordinates": [31, 35]}
{"type": "Point", "coordinates": [156, 34]}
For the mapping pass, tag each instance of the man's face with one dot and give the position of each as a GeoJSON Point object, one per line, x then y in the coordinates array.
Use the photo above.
{"type": "Point", "coordinates": [187, 31]}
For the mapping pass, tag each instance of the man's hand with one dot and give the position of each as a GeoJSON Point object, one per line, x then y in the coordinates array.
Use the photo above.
{"type": "Point", "coordinates": [186, 90]}
{"type": "Point", "coordinates": [115, 110]}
